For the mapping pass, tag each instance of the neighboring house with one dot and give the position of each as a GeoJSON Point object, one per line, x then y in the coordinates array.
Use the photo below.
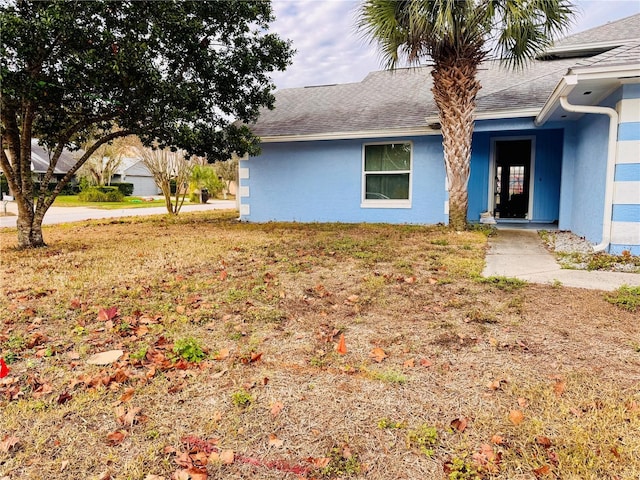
{"type": "Point", "coordinates": [40, 161]}
{"type": "Point", "coordinates": [133, 170]}
{"type": "Point", "coordinates": [371, 151]}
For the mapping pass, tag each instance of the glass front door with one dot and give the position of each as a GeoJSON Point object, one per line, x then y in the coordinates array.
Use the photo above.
{"type": "Point", "coordinates": [513, 165]}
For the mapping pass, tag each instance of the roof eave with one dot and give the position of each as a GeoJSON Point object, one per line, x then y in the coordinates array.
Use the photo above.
{"type": "Point", "coordinates": [578, 74]}
{"type": "Point", "coordinates": [563, 88]}
{"type": "Point", "coordinates": [498, 114]}
{"type": "Point", "coordinates": [392, 132]}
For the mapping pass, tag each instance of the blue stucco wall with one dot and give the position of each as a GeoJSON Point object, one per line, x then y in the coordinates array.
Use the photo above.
{"type": "Point", "coordinates": [320, 181]}
{"type": "Point", "coordinates": [586, 171]}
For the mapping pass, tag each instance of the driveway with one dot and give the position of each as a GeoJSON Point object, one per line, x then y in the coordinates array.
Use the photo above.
{"type": "Point", "coordinates": [75, 214]}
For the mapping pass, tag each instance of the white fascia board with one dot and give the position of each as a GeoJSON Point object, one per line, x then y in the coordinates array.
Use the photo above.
{"type": "Point", "coordinates": [500, 114]}
{"type": "Point", "coordinates": [564, 87]}
{"type": "Point", "coordinates": [607, 71]}
{"type": "Point", "coordinates": [401, 132]}
{"type": "Point", "coordinates": [496, 114]}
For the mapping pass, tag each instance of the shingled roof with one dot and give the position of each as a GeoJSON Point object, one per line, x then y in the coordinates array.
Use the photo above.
{"type": "Point", "coordinates": [622, 30]}
{"type": "Point", "coordinates": [40, 159]}
{"type": "Point", "coordinates": [623, 55]}
{"type": "Point", "coordinates": [401, 99]}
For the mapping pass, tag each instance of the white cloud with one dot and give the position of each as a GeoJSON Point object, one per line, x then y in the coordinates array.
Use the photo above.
{"type": "Point", "coordinates": [329, 50]}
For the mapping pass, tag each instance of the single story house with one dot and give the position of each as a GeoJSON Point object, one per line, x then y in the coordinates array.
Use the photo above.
{"type": "Point", "coordinates": [133, 170]}
{"type": "Point", "coordinates": [40, 161]}
{"type": "Point", "coordinates": [557, 142]}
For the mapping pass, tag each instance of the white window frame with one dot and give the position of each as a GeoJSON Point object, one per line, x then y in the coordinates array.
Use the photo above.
{"type": "Point", "coordinates": [386, 203]}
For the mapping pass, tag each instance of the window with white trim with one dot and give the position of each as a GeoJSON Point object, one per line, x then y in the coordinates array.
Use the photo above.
{"type": "Point", "coordinates": [386, 174]}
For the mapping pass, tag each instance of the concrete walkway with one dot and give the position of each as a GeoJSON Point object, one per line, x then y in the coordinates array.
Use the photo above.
{"type": "Point", "coordinates": [75, 214]}
{"type": "Point", "coordinates": [520, 254]}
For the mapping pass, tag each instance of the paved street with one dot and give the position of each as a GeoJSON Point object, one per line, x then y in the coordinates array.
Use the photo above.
{"type": "Point", "coordinates": [76, 214]}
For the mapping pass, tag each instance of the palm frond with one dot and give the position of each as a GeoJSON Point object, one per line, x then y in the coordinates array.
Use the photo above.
{"type": "Point", "coordinates": [526, 28]}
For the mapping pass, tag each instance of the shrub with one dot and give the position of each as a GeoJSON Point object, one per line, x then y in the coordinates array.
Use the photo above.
{"type": "Point", "coordinates": [70, 188]}
{"type": "Point", "coordinates": [4, 185]}
{"type": "Point", "coordinates": [125, 188]}
{"type": "Point", "coordinates": [101, 194]}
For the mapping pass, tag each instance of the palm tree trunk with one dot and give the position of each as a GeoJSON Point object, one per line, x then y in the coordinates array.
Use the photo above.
{"type": "Point", "coordinates": [455, 87]}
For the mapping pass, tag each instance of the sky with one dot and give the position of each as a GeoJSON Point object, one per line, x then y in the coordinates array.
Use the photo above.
{"type": "Point", "coordinates": [329, 50]}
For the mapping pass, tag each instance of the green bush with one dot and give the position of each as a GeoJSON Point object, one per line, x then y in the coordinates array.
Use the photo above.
{"type": "Point", "coordinates": [101, 194]}
{"type": "Point", "coordinates": [125, 188]}
{"type": "Point", "coordinates": [4, 185]}
{"type": "Point", "coordinates": [70, 188]}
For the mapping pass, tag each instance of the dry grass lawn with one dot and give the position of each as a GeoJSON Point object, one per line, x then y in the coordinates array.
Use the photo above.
{"type": "Point", "coordinates": [232, 364]}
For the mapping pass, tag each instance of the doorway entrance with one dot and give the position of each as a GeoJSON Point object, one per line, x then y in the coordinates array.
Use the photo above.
{"type": "Point", "coordinates": [511, 178]}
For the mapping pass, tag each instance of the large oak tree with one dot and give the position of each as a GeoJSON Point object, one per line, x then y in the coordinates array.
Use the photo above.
{"type": "Point", "coordinates": [174, 73]}
{"type": "Point", "coordinates": [455, 37]}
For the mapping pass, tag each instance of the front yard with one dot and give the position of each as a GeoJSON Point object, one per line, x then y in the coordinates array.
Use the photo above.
{"type": "Point", "coordinates": [128, 202]}
{"type": "Point", "coordinates": [287, 351]}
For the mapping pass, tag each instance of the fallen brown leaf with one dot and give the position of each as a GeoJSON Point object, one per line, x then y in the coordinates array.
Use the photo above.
{"type": "Point", "coordinates": [105, 358]}
{"type": "Point", "coordinates": [319, 462]}
{"type": "Point", "coordinates": [8, 442]}
{"type": "Point", "coordinates": [275, 441]}
{"type": "Point", "coordinates": [227, 457]}
{"type": "Point", "coordinates": [342, 346]}
{"type": "Point", "coordinates": [129, 417]}
{"type": "Point", "coordinates": [516, 417]}
{"type": "Point", "coordinates": [424, 362]}
{"type": "Point", "coordinates": [543, 441]}
{"type": "Point", "coordinates": [190, 474]}
{"type": "Point", "coordinates": [222, 354]}
{"type": "Point", "coordinates": [116, 438]}
{"type": "Point", "coordinates": [409, 363]}
{"type": "Point", "coordinates": [276, 408]}
{"type": "Point", "coordinates": [105, 314]}
{"type": "Point", "coordinates": [541, 471]}
{"type": "Point", "coordinates": [378, 355]}
{"type": "Point", "coordinates": [460, 424]}
{"type": "Point", "coordinates": [559, 387]}
{"type": "Point", "coordinates": [128, 393]}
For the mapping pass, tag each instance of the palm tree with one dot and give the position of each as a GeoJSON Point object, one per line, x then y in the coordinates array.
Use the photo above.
{"type": "Point", "coordinates": [457, 36]}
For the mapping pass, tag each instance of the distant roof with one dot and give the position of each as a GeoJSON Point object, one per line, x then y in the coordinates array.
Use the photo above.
{"type": "Point", "coordinates": [401, 99]}
{"type": "Point", "coordinates": [627, 28]}
{"type": "Point", "coordinates": [40, 159]}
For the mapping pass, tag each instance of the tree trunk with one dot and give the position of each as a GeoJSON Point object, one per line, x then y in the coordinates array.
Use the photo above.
{"type": "Point", "coordinates": [29, 226]}
{"type": "Point", "coordinates": [455, 87]}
